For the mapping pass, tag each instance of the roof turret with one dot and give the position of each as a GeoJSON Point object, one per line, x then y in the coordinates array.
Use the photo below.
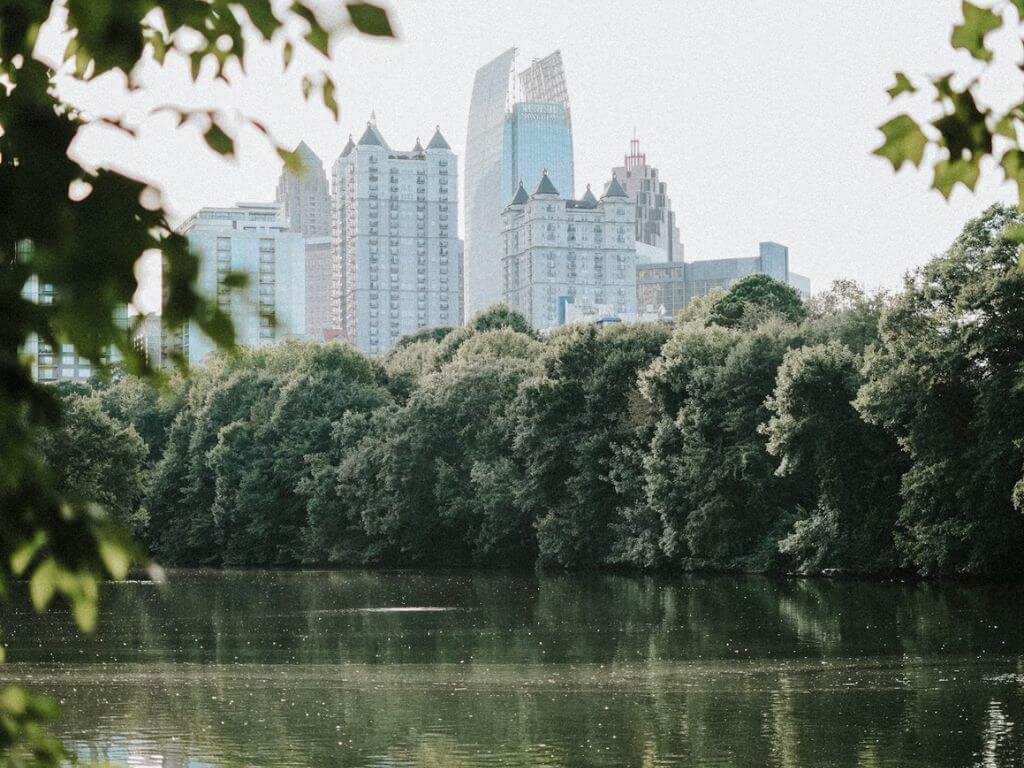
{"type": "Point", "coordinates": [521, 197]}
{"type": "Point", "coordinates": [614, 190]}
{"type": "Point", "coordinates": [546, 187]}
{"type": "Point", "coordinates": [438, 142]}
{"type": "Point", "coordinates": [588, 200]}
{"type": "Point", "coordinates": [349, 146]}
{"type": "Point", "coordinates": [372, 137]}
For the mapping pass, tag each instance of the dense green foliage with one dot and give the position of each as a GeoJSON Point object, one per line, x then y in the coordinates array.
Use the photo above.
{"type": "Point", "coordinates": [856, 433]}
{"type": "Point", "coordinates": [81, 231]}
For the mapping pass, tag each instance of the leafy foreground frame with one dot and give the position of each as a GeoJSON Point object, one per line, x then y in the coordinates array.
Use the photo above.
{"type": "Point", "coordinates": [88, 228]}
{"type": "Point", "coordinates": [82, 232]}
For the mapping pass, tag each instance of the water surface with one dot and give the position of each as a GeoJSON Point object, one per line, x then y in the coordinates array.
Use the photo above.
{"type": "Point", "coordinates": [491, 669]}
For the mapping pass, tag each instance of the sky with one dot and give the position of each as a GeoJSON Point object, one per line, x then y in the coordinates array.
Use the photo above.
{"type": "Point", "coordinates": [761, 115]}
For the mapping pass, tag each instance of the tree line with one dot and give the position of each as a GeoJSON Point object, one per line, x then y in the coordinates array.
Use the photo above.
{"type": "Point", "coordinates": [858, 433]}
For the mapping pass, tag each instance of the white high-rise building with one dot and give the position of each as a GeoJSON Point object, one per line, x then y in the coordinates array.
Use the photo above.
{"type": "Point", "coordinates": [560, 252]}
{"type": "Point", "coordinates": [395, 228]}
{"type": "Point", "coordinates": [253, 239]}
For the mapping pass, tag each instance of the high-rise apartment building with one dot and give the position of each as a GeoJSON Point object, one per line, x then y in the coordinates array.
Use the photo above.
{"type": "Point", "coordinates": [304, 195]}
{"type": "Point", "coordinates": [655, 220]}
{"type": "Point", "coordinates": [253, 239]}
{"type": "Point", "coordinates": [558, 251]}
{"type": "Point", "coordinates": [395, 235]}
{"type": "Point", "coordinates": [518, 128]}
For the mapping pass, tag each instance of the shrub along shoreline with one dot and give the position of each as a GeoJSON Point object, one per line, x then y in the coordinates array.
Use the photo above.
{"type": "Point", "coordinates": [870, 435]}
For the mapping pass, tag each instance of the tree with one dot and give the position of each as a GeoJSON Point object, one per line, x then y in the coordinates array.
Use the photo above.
{"type": "Point", "coordinates": [581, 427]}
{"type": "Point", "coordinates": [709, 475]}
{"type": "Point", "coordinates": [945, 381]}
{"type": "Point", "coordinates": [260, 460]}
{"type": "Point", "coordinates": [854, 467]}
{"type": "Point", "coordinates": [97, 459]}
{"type": "Point", "coordinates": [753, 298]}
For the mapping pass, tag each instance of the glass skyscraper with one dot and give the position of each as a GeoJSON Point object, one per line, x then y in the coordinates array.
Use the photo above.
{"type": "Point", "coordinates": [518, 128]}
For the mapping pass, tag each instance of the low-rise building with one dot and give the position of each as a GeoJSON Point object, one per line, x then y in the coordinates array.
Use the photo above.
{"type": "Point", "coordinates": [673, 285]}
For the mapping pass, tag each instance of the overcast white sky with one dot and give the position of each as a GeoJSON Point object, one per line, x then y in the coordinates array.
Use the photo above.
{"type": "Point", "coordinates": [760, 115]}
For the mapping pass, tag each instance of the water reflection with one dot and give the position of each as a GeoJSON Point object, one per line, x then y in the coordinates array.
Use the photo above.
{"type": "Point", "coordinates": [469, 669]}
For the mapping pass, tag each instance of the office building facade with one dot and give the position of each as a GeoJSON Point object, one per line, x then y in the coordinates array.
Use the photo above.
{"type": "Point", "coordinates": [253, 239]}
{"type": "Point", "coordinates": [304, 195]}
{"type": "Point", "coordinates": [560, 252]}
{"type": "Point", "coordinates": [395, 236]}
{"type": "Point", "coordinates": [656, 224]}
{"type": "Point", "coordinates": [668, 287]}
{"type": "Point", "coordinates": [519, 126]}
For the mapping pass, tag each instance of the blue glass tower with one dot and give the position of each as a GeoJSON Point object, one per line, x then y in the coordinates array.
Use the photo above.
{"type": "Point", "coordinates": [518, 128]}
{"type": "Point", "coordinates": [538, 138]}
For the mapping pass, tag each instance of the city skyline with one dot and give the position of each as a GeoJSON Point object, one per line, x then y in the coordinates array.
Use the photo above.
{"type": "Point", "coordinates": [746, 130]}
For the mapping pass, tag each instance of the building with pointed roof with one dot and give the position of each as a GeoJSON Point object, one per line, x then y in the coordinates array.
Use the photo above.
{"type": "Point", "coordinates": [304, 195]}
{"type": "Point", "coordinates": [395, 241]}
{"type": "Point", "coordinates": [437, 141]}
{"type": "Point", "coordinates": [518, 127]}
{"type": "Point", "coordinates": [305, 202]}
{"type": "Point", "coordinates": [656, 224]}
{"type": "Point", "coordinates": [559, 252]}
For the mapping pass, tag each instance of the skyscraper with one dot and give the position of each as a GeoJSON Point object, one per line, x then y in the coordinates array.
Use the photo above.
{"type": "Point", "coordinates": [255, 240]}
{"type": "Point", "coordinates": [304, 195]}
{"type": "Point", "coordinates": [305, 200]}
{"type": "Point", "coordinates": [655, 219]}
{"type": "Point", "coordinates": [395, 231]}
{"type": "Point", "coordinates": [519, 127]}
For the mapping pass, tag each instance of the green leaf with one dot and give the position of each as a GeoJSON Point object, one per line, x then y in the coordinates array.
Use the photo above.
{"type": "Point", "coordinates": [219, 141]}
{"type": "Point", "coordinates": [43, 584]}
{"type": "Point", "coordinates": [370, 19]}
{"type": "Point", "coordinates": [950, 173]}
{"type": "Point", "coordinates": [1013, 167]}
{"type": "Point", "coordinates": [292, 161]}
{"type": "Point", "coordinates": [116, 557]}
{"type": "Point", "coordinates": [1007, 124]}
{"type": "Point", "coordinates": [23, 554]}
{"type": "Point", "coordinates": [904, 142]}
{"type": "Point", "coordinates": [903, 85]}
{"type": "Point", "coordinates": [85, 612]}
{"type": "Point", "coordinates": [329, 98]}
{"type": "Point", "coordinates": [289, 51]}
{"type": "Point", "coordinates": [235, 280]}
{"type": "Point", "coordinates": [970, 35]}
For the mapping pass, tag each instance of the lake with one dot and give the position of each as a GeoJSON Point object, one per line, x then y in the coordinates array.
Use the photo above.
{"type": "Point", "coordinates": [399, 668]}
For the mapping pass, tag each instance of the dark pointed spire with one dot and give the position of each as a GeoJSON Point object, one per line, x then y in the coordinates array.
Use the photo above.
{"type": "Point", "coordinates": [349, 146]}
{"type": "Point", "coordinates": [614, 190]}
{"type": "Point", "coordinates": [588, 200]}
{"type": "Point", "coordinates": [372, 137]}
{"type": "Point", "coordinates": [418, 147]}
{"type": "Point", "coordinates": [438, 142]}
{"type": "Point", "coordinates": [521, 197]}
{"type": "Point", "coordinates": [546, 187]}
